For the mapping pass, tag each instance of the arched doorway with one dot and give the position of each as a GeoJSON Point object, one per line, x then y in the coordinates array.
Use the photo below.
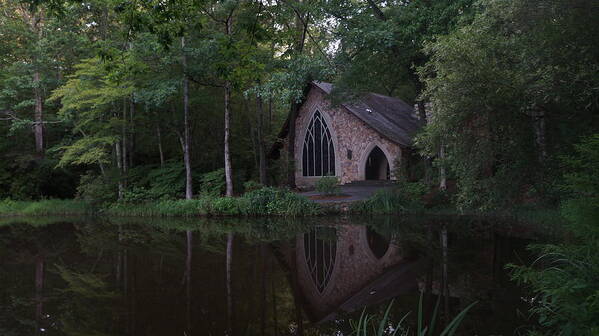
{"type": "Point", "coordinates": [377, 165]}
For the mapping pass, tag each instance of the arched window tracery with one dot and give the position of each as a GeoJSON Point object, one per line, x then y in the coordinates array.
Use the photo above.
{"type": "Point", "coordinates": [318, 157]}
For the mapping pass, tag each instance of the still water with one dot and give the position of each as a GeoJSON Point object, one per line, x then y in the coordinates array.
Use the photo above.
{"type": "Point", "coordinates": [253, 276]}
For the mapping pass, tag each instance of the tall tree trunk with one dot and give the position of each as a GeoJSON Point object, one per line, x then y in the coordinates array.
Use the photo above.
{"type": "Point", "coordinates": [160, 151]}
{"type": "Point", "coordinates": [131, 131]}
{"type": "Point", "coordinates": [442, 172]}
{"type": "Point", "coordinates": [39, 120]}
{"type": "Point", "coordinates": [538, 121]}
{"type": "Point", "coordinates": [119, 164]}
{"type": "Point", "coordinates": [261, 142]}
{"type": "Point", "coordinates": [228, 168]}
{"type": "Point", "coordinates": [124, 137]}
{"type": "Point", "coordinates": [186, 126]}
{"type": "Point", "coordinates": [36, 24]}
{"type": "Point", "coordinates": [301, 26]}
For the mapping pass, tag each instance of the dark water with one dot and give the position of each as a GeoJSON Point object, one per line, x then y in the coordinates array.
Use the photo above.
{"type": "Point", "coordinates": [252, 277]}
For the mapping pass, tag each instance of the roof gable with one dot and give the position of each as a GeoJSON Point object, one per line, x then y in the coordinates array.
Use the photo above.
{"type": "Point", "coordinates": [392, 117]}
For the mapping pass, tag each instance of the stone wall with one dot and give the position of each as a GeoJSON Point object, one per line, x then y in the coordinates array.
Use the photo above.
{"type": "Point", "coordinates": [349, 134]}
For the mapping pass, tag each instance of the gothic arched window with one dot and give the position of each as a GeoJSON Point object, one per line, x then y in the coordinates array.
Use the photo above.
{"type": "Point", "coordinates": [318, 158]}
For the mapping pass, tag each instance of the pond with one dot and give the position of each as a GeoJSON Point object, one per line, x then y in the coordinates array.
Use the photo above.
{"type": "Point", "coordinates": [310, 276]}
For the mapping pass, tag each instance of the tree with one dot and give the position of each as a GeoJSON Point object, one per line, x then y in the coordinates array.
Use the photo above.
{"type": "Point", "coordinates": [498, 99]}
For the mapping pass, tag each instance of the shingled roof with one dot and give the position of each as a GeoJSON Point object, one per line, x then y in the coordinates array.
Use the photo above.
{"type": "Point", "coordinates": [392, 117]}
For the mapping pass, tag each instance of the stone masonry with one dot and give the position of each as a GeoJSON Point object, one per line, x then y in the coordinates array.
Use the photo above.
{"type": "Point", "coordinates": [351, 138]}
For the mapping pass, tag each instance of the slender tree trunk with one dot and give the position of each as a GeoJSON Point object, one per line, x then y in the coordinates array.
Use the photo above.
{"type": "Point", "coordinates": [302, 28]}
{"type": "Point", "coordinates": [186, 126]}
{"type": "Point", "coordinates": [159, 138]}
{"type": "Point", "coordinates": [34, 18]}
{"type": "Point", "coordinates": [538, 120]}
{"type": "Point", "coordinates": [124, 137]}
{"type": "Point", "coordinates": [39, 120]}
{"type": "Point", "coordinates": [119, 164]}
{"type": "Point", "coordinates": [229, 262]}
{"type": "Point", "coordinates": [261, 144]}
{"type": "Point", "coordinates": [131, 131]}
{"type": "Point", "coordinates": [228, 168]}
{"type": "Point", "coordinates": [442, 172]}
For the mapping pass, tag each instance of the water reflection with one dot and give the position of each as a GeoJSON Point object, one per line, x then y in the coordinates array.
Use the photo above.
{"type": "Point", "coordinates": [246, 277]}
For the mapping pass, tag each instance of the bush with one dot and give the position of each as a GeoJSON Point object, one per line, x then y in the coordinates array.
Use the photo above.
{"type": "Point", "coordinates": [406, 197]}
{"type": "Point", "coordinates": [564, 276]}
{"type": "Point", "coordinates": [260, 202]}
{"type": "Point", "coordinates": [274, 201]}
{"type": "Point", "coordinates": [251, 186]}
{"type": "Point", "coordinates": [97, 189]}
{"type": "Point", "coordinates": [213, 183]}
{"type": "Point", "coordinates": [329, 185]}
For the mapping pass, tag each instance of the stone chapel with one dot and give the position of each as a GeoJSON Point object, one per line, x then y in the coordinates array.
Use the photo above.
{"type": "Point", "coordinates": [362, 140]}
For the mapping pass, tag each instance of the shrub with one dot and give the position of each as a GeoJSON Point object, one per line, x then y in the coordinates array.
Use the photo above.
{"type": "Point", "coordinates": [406, 197]}
{"type": "Point", "coordinates": [251, 186]}
{"type": "Point", "coordinates": [97, 189]}
{"type": "Point", "coordinates": [260, 202]}
{"type": "Point", "coordinates": [213, 183]}
{"type": "Point", "coordinates": [329, 185]}
{"type": "Point", "coordinates": [274, 201]}
{"type": "Point", "coordinates": [226, 206]}
{"type": "Point", "coordinates": [564, 276]}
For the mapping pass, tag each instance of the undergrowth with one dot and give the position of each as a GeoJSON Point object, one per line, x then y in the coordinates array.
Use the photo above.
{"type": "Point", "coordinates": [261, 202]}
{"type": "Point", "coordinates": [403, 198]}
{"type": "Point", "coordinates": [44, 207]}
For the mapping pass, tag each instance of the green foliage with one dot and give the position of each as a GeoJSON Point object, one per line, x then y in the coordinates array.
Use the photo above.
{"type": "Point", "coordinates": [403, 198]}
{"type": "Point", "coordinates": [260, 202]}
{"type": "Point", "coordinates": [251, 186]}
{"type": "Point", "coordinates": [147, 183]}
{"type": "Point", "coordinates": [95, 188]}
{"type": "Point", "coordinates": [44, 207]}
{"type": "Point", "coordinates": [328, 185]}
{"type": "Point", "coordinates": [213, 183]}
{"type": "Point", "coordinates": [564, 276]}
{"type": "Point", "coordinates": [366, 325]}
{"type": "Point", "coordinates": [497, 104]}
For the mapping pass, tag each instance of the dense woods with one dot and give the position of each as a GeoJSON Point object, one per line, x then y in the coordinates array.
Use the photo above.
{"type": "Point", "coordinates": [138, 101]}
{"type": "Point", "coordinates": [120, 102]}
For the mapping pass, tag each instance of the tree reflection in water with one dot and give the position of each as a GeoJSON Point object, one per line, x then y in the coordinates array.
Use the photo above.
{"type": "Point", "coordinates": [287, 275]}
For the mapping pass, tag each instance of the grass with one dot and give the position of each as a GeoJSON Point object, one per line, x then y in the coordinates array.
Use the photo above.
{"type": "Point", "coordinates": [367, 326]}
{"type": "Point", "coordinates": [45, 208]}
{"type": "Point", "coordinates": [390, 201]}
{"type": "Point", "coordinates": [262, 202]}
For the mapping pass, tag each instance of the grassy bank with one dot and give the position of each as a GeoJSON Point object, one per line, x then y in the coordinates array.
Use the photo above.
{"type": "Point", "coordinates": [45, 208]}
{"type": "Point", "coordinates": [262, 202]}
